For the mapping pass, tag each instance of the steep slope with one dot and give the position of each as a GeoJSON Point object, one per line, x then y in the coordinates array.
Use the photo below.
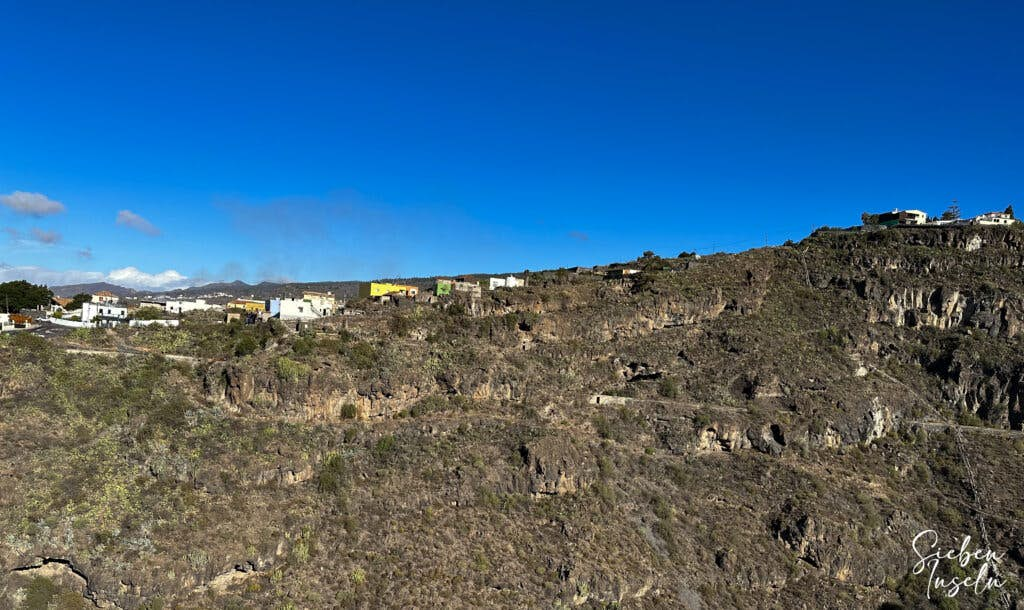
{"type": "Point", "coordinates": [767, 429]}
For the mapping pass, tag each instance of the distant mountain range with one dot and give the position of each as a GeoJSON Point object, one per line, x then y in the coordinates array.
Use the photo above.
{"type": "Point", "coordinates": [227, 290]}
{"type": "Point", "coordinates": [71, 290]}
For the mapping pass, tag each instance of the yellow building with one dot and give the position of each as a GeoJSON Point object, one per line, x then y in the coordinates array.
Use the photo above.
{"type": "Point", "coordinates": [250, 305]}
{"type": "Point", "coordinates": [375, 289]}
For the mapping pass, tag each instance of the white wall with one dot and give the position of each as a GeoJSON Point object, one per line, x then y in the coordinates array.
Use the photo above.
{"type": "Point", "coordinates": [187, 306]}
{"type": "Point", "coordinates": [154, 322]}
{"type": "Point", "coordinates": [297, 309]}
{"type": "Point", "coordinates": [90, 311]}
{"type": "Point", "coordinates": [322, 306]}
{"type": "Point", "coordinates": [506, 282]}
{"type": "Point", "coordinates": [70, 323]}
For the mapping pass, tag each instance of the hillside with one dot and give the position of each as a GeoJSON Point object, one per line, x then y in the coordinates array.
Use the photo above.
{"type": "Point", "coordinates": [70, 290]}
{"type": "Point", "coordinates": [768, 429]}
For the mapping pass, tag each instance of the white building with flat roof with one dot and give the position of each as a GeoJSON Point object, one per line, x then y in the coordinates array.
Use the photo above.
{"type": "Point", "coordinates": [180, 307]}
{"type": "Point", "coordinates": [293, 309]}
{"type": "Point", "coordinates": [505, 282]}
{"type": "Point", "coordinates": [103, 311]}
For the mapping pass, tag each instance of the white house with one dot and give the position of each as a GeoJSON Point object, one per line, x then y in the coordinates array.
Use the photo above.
{"type": "Point", "coordinates": [323, 303]}
{"type": "Point", "coordinates": [103, 311]}
{"type": "Point", "coordinates": [5, 322]}
{"type": "Point", "coordinates": [995, 218]}
{"type": "Point", "coordinates": [178, 307]}
{"type": "Point", "coordinates": [105, 297]}
{"type": "Point", "coordinates": [505, 282]}
{"type": "Point", "coordinates": [293, 309]}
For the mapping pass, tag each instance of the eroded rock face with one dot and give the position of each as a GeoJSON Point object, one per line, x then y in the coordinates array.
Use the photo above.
{"type": "Point", "coordinates": [878, 422]}
{"type": "Point", "coordinates": [59, 572]}
{"type": "Point", "coordinates": [552, 467]}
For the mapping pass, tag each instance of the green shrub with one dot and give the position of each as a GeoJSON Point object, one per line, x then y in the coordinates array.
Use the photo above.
{"type": "Point", "coordinates": [400, 325]}
{"type": "Point", "coordinates": [362, 355]}
{"type": "Point", "coordinates": [39, 593]}
{"type": "Point", "coordinates": [603, 427]}
{"type": "Point", "coordinates": [349, 411]}
{"type": "Point", "coordinates": [386, 445]}
{"type": "Point", "coordinates": [290, 370]}
{"type": "Point", "coordinates": [701, 420]}
{"type": "Point", "coordinates": [246, 345]}
{"type": "Point", "coordinates": [148, 313]}
{"type": "Point", "coordinates": [668, 388]}
{"type": "Point", "coordinates": [303, 346]}
{"type": "Point", "coordinates": [333, 476]}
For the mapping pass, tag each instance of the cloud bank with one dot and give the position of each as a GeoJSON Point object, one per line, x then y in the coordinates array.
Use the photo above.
{"type": "Point", "coordinates": [32, 204]}
{"type": "Point", "coordinates": [132, 220]}
{"type": "Point", "coordinates": [133, 278]}
{"type": "Point", "coordinates": [129, 277]}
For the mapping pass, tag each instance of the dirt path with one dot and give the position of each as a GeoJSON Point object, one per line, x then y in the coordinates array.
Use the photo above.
{"type": "Point", "coordinates": [115, 353]}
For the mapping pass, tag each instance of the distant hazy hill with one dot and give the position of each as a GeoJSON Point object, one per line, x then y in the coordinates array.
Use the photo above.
{"type": "Point", "coordinates": [264, 290]}
{"type": "Point", "coordinates": [70, 290]}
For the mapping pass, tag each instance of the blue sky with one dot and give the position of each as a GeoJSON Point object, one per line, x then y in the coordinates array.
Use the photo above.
{"type": "Point", "coordinates": [315, 141]}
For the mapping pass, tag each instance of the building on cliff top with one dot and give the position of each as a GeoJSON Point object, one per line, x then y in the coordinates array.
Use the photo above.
{"type": "Point", "coordinates": [380, 289]}
{"type": "Point", "coordinates": [902, 217]}
{"type": "Point", "coordinates": [1002, 219]}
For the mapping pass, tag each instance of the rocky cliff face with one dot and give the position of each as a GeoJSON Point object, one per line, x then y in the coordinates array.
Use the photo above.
{"type": "Point", "coordinates": [766, 429]}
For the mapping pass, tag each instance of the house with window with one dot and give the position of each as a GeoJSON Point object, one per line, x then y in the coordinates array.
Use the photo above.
{"type": "Point", "coordinates": [323, 303]}
{"type": "Point", "coordinates": [902, 217]}
{"type": "Point", "coordinates": [997, 219]}
{"type": "Point", "coordinates": [443, 287]}
{"type": "Point", "coordinates": [106, 297]}
{"type": "Point", "coordinates": [247, 305]}
{"type": "Point", "coordinates": [380, 289]}
{"type": "Point", "coordinates": [103, 312]}
{"type": "Point", "coordinates": [446, 287]}
{"type": "Point", "coordinates": [292, 309]}
{"type": "Point", "coordinates": [5, 322]}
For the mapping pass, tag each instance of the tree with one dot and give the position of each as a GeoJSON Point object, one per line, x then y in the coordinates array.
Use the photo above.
{"type": "Point", "coordinates": [869, 219]}
{"type": "Point", "coordinates": [1009, 210]}
{"type": "Point", "coordinates": [951, 213]}
{"type": "Point", "coordinates": [19, 294]}
{"type": "Point", "coordinates": [78, 300]}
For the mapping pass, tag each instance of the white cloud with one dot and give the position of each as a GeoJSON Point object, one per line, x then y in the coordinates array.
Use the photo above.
{"type": "Point", "coordinates": [45, 237]}
{"type": "Point", "coordinates": [50, 277]}
{"type": "Point", "coordinates": [132, 220]}
{"type": "Point", "coordinates": [129, 277]}
{"type": "Point", "coordinates": [133, 278]}
{"type": "Point", "coordinates": [33, 204]}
